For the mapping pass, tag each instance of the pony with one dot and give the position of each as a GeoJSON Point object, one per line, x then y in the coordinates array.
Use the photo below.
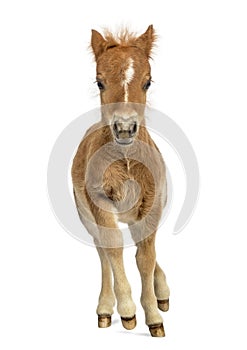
{"type": "Point", "coordinates": [119, 175]}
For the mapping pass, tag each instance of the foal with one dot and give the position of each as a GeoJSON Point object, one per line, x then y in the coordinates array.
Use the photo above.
{"type": "Point", "coordinates": [119, 175]}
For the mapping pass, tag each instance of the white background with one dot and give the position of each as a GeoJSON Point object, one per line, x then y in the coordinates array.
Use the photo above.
{"type": "Point", "coordinates": [49, 281]}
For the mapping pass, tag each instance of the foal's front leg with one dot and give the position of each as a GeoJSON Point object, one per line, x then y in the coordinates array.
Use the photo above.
{"type": "Point", "coordinates": [106, 297]}
{"type": "Point", "coordinates": [125, 305]}
{"type": "Point", "coordinates": [146, 260]}
{"type": "Point", "coordinates": [110, 237]}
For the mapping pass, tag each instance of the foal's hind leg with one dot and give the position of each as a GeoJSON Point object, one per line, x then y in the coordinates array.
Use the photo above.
{"type": "Point", "coordinates": [161, 288]}
{"type": "Point", "coordinates": [106, 297]}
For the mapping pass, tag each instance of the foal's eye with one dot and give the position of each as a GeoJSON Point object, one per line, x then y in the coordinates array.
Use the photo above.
{"type": "Point", "coordinates": [100, 85]}
{"type": "Point", "coordinates": [146, 86]}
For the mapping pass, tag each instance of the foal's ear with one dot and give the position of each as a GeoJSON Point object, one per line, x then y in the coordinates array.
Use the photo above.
{"type": "Point", "coordinates": [98, 43]}
{"type": "Point", "coordinates": [146, 40]}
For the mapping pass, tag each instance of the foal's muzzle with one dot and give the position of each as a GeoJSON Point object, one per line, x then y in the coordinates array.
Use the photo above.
{"type": "Point", "coordinates": [124, 129]}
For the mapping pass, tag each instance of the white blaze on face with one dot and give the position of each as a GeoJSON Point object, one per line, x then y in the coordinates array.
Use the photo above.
{"type": "Point", "coordinates": [128, 76]}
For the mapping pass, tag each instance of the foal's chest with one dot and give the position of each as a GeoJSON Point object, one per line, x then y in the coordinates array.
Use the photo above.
{"type": "Point", "coordinates": [129, 183]}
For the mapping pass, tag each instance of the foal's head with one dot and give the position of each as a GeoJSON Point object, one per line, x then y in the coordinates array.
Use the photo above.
{"type": "Point", "coordinates": [123, 78]}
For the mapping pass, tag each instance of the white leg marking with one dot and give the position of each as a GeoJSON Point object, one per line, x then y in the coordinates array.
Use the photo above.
{"type": "Point", "coordinates": [128, 76]}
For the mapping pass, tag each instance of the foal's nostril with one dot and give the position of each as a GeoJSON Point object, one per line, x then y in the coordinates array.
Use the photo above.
{"type": "Point", "coordinates": [134, 128]}
{"type": "Point", "coordinates": [115, 128]}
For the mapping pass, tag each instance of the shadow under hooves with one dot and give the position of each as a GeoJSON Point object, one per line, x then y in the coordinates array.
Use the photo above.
{"type": "Point", "coordinates": [115, 321]}
{"type": "Point", "coordinates": [142, 334]}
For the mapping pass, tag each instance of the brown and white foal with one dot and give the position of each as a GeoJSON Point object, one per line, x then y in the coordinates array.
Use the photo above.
{"type": "Point", "coordinates": [119, 176]}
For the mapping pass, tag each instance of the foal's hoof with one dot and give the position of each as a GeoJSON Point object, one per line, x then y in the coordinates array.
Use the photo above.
{"type": "Point", "coordinates": [157, 330]}
{"type": "Point", "coordinates": [104, 321]}
{"type": "Point", "coordinates": [129, 322]}
{"type": "Point", "coordinates": [163, 305]}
